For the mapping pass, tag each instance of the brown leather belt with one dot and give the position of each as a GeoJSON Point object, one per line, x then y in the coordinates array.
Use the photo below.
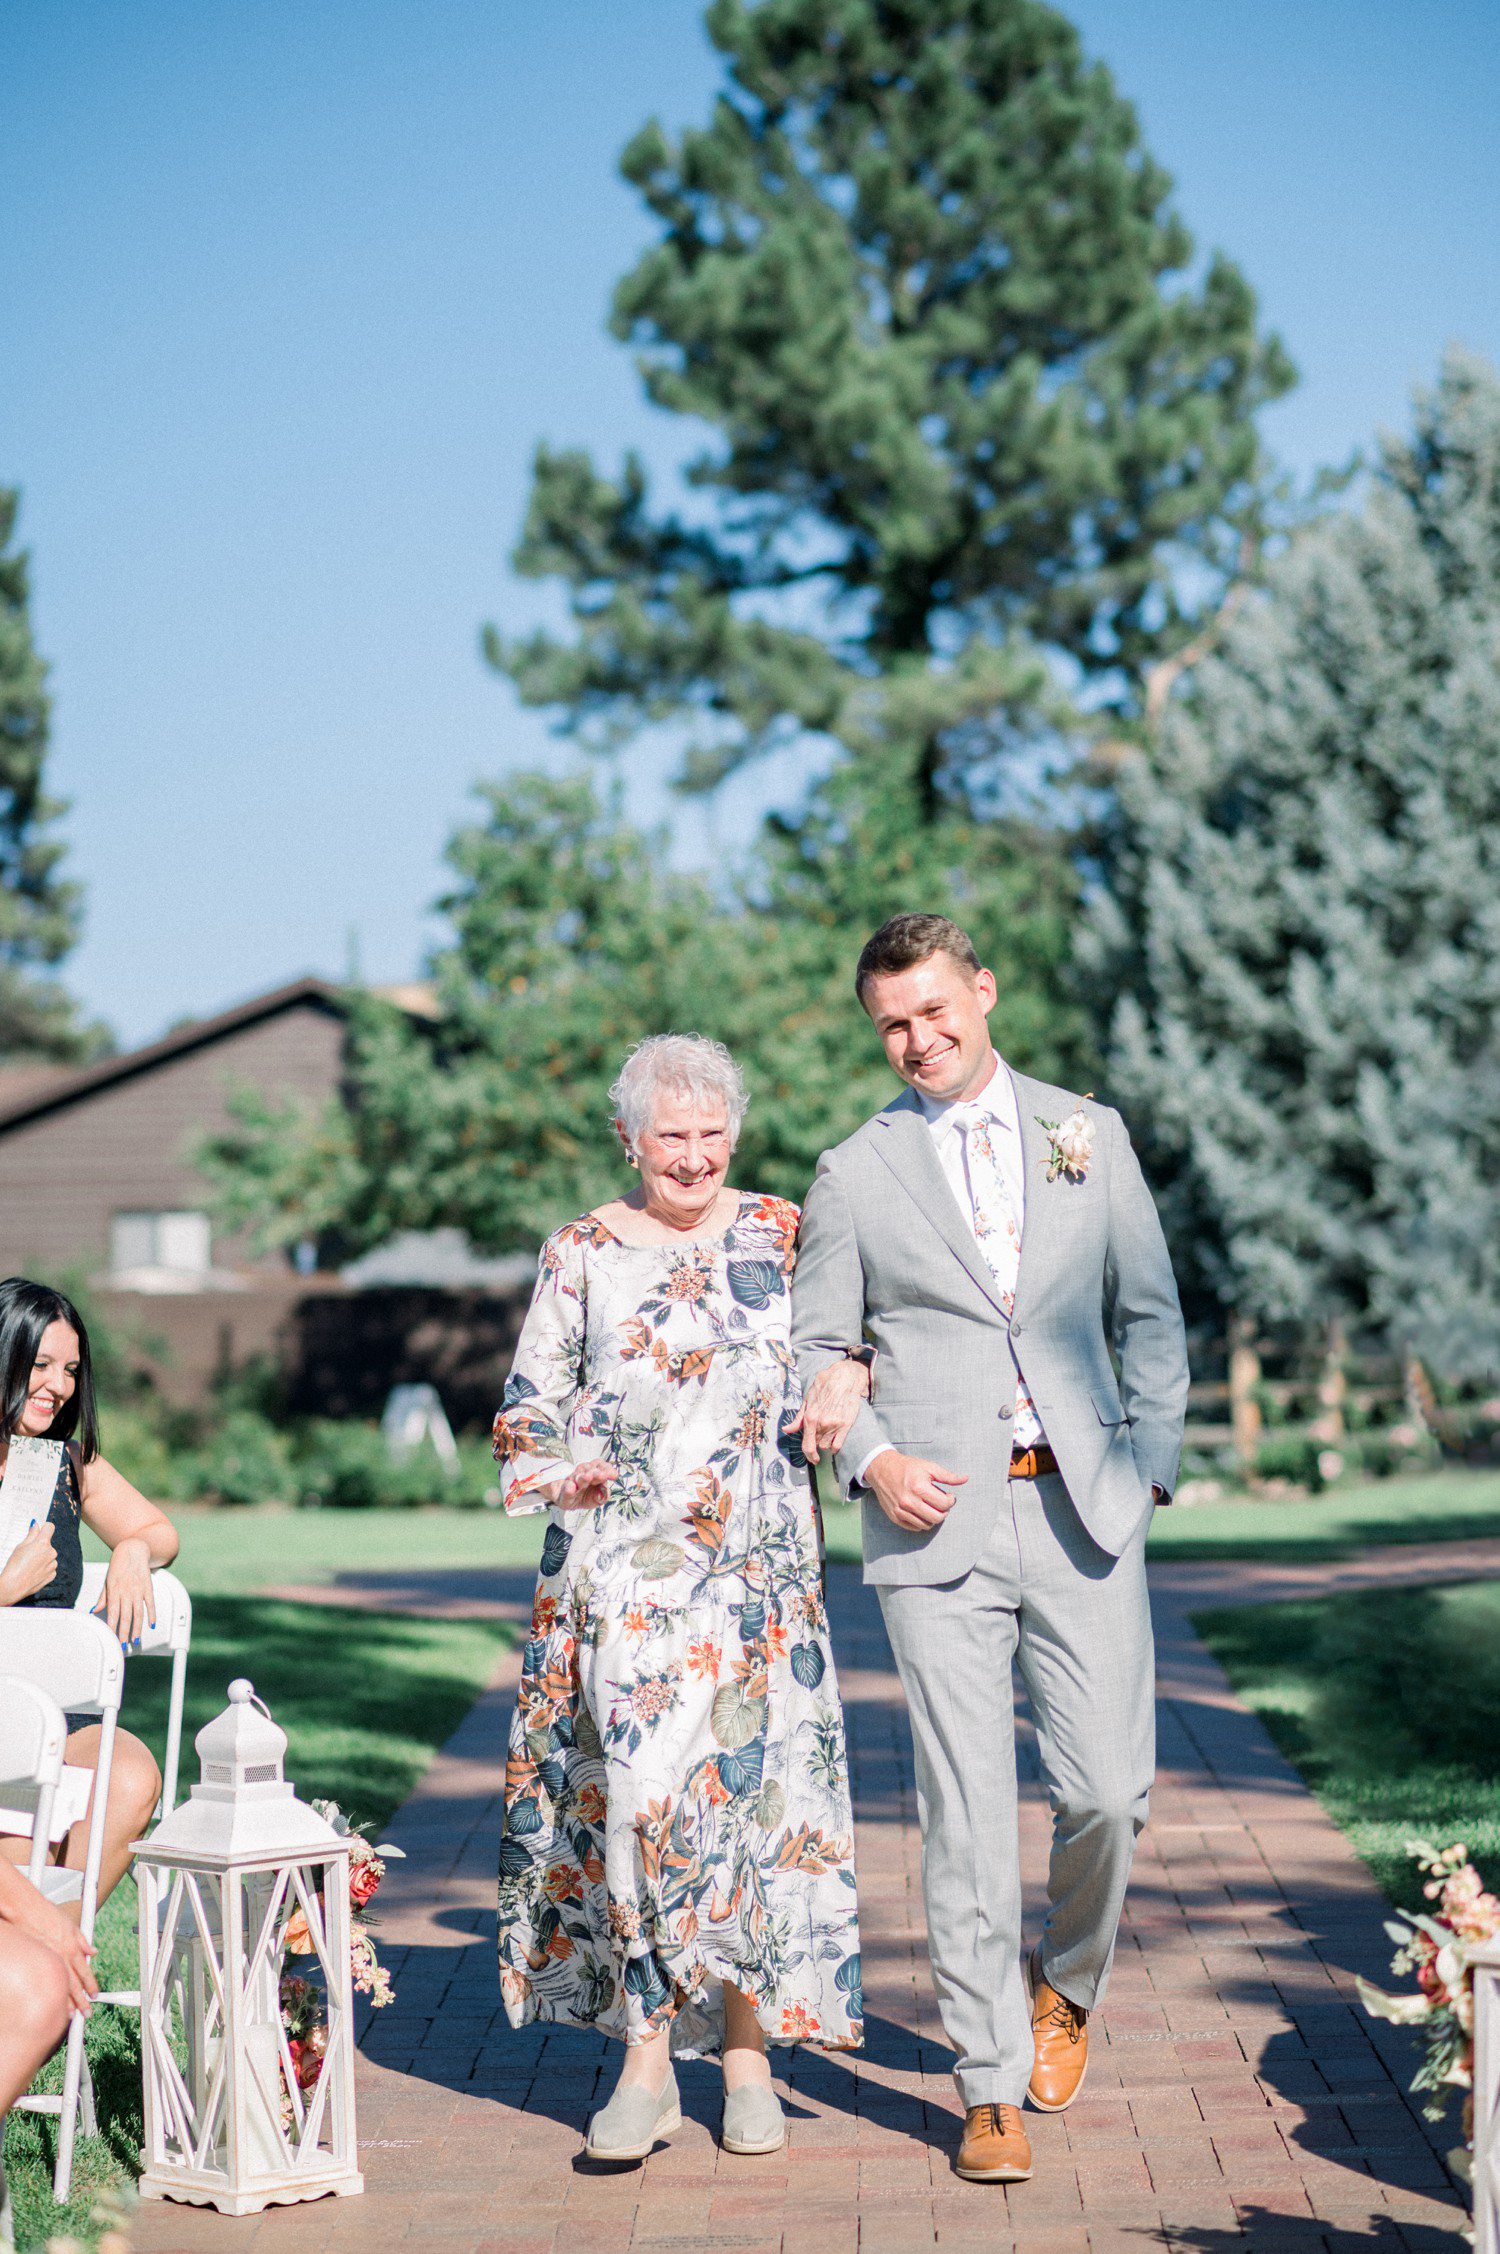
{"type": "Point", "coordinates": [1032, 1463]}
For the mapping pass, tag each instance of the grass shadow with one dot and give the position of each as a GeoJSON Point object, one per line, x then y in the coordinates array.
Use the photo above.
{"type": "Point", "coordinates": [364, 1697]}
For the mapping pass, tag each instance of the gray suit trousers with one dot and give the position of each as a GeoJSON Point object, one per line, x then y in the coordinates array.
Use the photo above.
{"type": "Point", "coordinates": [1076, 1621]}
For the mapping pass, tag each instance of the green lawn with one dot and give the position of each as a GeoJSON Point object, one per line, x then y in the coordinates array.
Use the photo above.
{"type": "Point", "coordinates": [1438, 1506]}
{"type": "Point", "coordinates": [1388, 1701]}
{"type": "Point", "coordinates": [364, 1699]}
{"type": "Point", "coordinates": [232, 1551]}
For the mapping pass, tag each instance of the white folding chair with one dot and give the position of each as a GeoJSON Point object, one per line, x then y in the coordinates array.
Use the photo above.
{"type": "Point", "coordinates": [169, 1637]}
{"type": "Point", "coordinates": [33, 1737]}
{"type": "Point", "coordinates": [75, 1660]}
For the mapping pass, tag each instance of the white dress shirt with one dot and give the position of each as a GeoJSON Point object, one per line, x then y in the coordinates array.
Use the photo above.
{"type": "Point", "coordinates": [997, 1099]}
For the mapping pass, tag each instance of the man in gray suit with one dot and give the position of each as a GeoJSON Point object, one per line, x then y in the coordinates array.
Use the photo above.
{"type": "Point", "coordinates": [991, 1239]}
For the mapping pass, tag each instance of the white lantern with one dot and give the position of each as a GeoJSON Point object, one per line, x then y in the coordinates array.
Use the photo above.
{"type": "Point", "coordinates": [1485, 1960]}
{"type": "Point", "coordinates": [229, 2122]}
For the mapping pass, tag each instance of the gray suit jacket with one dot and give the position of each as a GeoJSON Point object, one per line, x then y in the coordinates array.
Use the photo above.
{"type": "Point", "coordinates": [886, 1255]}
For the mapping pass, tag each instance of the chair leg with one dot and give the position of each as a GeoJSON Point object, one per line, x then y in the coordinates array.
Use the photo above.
{"type": "Point", "coordinates": [88, 1908]}
{"type": "Point", "coordinates": [174, 1733]}
{"type": "Point", "coordinates": [41, 1832]}
{"type": "Point", "coordinates": [86, 2114]}
{"type": "Point", "coordinates": [67, 2120]}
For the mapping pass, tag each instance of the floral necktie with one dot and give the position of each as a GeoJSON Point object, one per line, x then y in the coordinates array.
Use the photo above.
{"type": "Point", "coordinates": [999, 1233]}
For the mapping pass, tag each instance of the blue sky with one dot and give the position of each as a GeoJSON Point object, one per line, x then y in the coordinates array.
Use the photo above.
{"type": "Point", "coordinates": [292, 288]}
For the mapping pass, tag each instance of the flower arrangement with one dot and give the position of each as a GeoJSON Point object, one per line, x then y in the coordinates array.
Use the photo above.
{"type": "Point", "coordinates": [304, 2007]}
{"type": "Point", "coordinates": [1438, 1948]}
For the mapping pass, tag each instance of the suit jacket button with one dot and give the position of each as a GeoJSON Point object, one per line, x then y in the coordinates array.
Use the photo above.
{"type": "Point", "coordinates": [1006, 1415]}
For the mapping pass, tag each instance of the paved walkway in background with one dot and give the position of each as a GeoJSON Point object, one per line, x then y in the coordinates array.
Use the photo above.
{"type": "Point", "coordinates": [1238, 2101]}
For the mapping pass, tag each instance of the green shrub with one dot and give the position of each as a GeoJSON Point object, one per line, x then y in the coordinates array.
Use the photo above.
{"type": "Point", "coordinates": [246, 1460]}
{"type": "Point", "coordinates": [1289, 1456]}
{"type": "Point", "coordinates": [136, 1445]}
{"type": "Point", "coordinates": [245, 1457]}
{"type": "Point", "coordinates": [340, 1465]}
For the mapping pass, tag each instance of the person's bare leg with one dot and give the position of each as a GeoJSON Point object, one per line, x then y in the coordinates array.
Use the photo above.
{"type": "Point", "coordinates": [646, 2064]}
{"type": "Point", "coordinates": [745, 2060]}
{"type": "Point", "coordinates": [33, 2011]}
{"type": "Point", "coordinates": [134, 1787]}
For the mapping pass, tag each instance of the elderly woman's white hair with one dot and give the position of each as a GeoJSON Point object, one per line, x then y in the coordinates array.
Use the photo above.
{"type": "Point", "coordinates": [688, 1065]}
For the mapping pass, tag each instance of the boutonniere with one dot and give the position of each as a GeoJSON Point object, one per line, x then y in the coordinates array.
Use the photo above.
{"type": "Point", "coordinates": [1072, 1144]}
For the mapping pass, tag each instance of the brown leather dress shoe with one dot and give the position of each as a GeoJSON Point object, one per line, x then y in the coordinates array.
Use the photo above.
{"type": "Point", "coordinates": [995, 2149]}
{"type": "Point", "coordinates": [1060, 2031]}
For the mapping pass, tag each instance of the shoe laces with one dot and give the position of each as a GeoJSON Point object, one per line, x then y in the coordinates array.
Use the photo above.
{"type": "Point", "coordinates": [1068, 2018]}
{"type": "Point", "coordinates": [992, 2119]}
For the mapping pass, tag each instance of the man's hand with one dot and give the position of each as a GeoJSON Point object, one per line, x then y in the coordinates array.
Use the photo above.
{"type": "Point", "coordinates": [31, 1913]}
{"type": "Point", "coordinates": [834, 1400]}
{"type": "Point", "coordinates": [586, 1486]}
{"type": "Point", "coordinates": [127, 1603]}
{"type": "Point", "coordinates": [32, 1565]}
{"type": "Point", "coordinates": [911, 1491]}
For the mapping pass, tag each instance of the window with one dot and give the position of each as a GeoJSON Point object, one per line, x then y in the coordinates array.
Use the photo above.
{"type": "Point", "coordinates": [182, 1242]}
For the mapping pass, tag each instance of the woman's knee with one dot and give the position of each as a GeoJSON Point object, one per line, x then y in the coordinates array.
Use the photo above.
{"type": "Point", "coordinates": [135, 1779]}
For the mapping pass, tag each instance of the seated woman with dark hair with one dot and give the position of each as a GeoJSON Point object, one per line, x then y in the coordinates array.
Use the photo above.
{"type": "Point", "coordinates": [47, 1393]}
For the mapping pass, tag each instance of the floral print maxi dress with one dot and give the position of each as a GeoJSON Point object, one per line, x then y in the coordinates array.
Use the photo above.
{"type": "Point", "coordinates": [676, 1798]}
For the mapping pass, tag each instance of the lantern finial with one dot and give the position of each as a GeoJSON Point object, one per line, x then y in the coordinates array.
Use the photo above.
{"type": "Point", "coordinates": [242, 1808]}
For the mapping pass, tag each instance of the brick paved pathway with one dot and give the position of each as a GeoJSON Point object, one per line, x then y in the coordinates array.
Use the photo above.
{"type": "Point", "coordinates": [1237, 2099]}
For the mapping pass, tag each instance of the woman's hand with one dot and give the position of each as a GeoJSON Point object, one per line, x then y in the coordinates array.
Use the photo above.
{"type": "Point", "coordinates": [32, 1914]}
{"type": "Point", "coordinates": [127, 1604]}
{"type": "Point", "coordinates": [32, 1565]}
{"type": "Point", "coordinates": [834, 1400]}
{"type": "Point", "coordinates": [586, 1486]}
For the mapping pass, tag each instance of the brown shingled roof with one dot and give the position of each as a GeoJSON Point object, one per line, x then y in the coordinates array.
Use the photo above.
{"type": "Point", "coordinates": [21, 1102]}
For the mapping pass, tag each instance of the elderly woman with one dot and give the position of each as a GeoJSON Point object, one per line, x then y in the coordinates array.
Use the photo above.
{"type": "Point", "coordinates": [677, 1861]}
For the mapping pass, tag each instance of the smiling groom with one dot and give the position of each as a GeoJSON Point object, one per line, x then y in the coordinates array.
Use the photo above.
{"type": "Point", "coordinates": [991, 1238]}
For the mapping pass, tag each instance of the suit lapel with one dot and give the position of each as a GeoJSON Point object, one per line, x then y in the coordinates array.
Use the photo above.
{"type": "Point", "coordinates": [906, 1147]}
{"type": "Point", "coordinates": [1033, 1097]}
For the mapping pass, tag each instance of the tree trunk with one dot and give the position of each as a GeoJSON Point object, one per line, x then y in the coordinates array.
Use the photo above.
{"type": "Point", "coordinates": [1333, 1389]}
{"type": "Point", "coordinates": [1244, 1407]}
{"type": "Point", "coordinates": [1421, 1401]}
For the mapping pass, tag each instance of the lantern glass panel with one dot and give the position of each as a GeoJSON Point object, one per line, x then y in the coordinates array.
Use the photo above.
{"type": "Point", "coordinates": [313, 1931]}
{"type": "Point", "coordinates": [183, 2022]}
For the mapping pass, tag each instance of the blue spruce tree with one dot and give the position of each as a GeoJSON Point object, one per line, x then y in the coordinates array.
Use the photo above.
{"type": "Point", "coordinates": [1303, 918]}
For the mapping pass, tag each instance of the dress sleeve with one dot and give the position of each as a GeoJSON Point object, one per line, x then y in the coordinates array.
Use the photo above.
{"type": "Point", "coordinates": [530, 1440]}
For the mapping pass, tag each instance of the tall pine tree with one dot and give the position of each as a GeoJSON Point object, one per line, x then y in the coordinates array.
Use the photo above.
{"type": "Point", "coordinates": [1305, 917]}
{"type": "Point", "coordinates": [39, 909]}
{"type": "Point", "coordinates": [975, 431]}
